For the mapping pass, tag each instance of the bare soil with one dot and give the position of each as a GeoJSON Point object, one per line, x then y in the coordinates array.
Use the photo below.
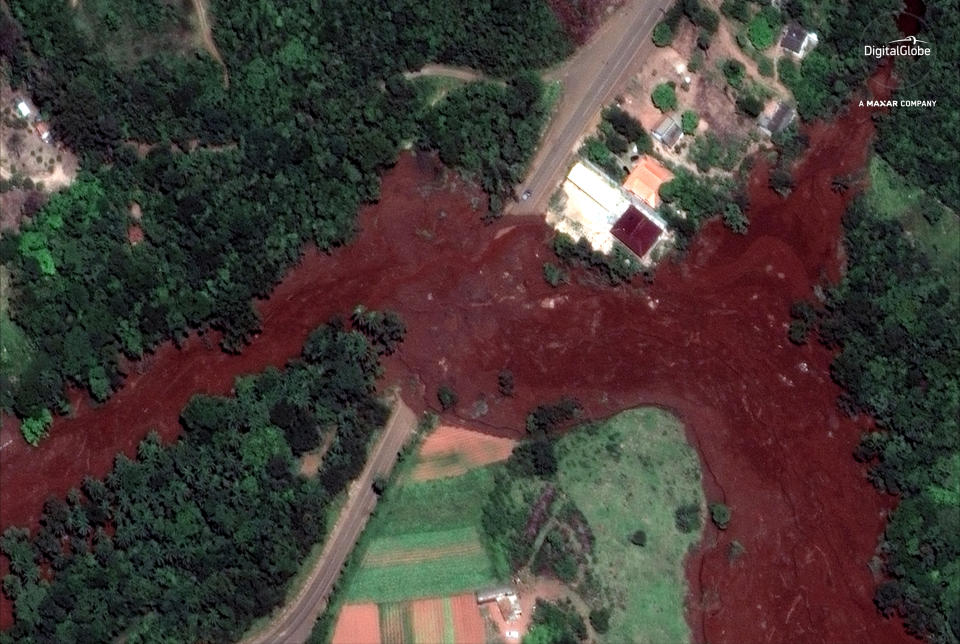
{"type": "Point", "coordinates": [451, 451]}
{"type": "Point", "coordinates": [467, 623]}
{"type": "Point", "coordinates": [357, 624]}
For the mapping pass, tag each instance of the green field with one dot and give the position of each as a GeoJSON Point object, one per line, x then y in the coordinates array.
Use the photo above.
{"type": "Point", "coordinates": [15, 349]}
{"type": "Point", "coordinates": [443, 513]}
{"type": "Point", "coordinates": [628, 473]}
{"type": "Point", "coordinates": [892, 197]}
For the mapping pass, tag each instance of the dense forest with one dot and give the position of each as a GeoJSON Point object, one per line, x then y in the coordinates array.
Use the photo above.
{"type": "Point", "coordinates": [232, 173]}
{"type": "Point", "coordinates": [894, 318]}
{"type": "Point", "coordinates": [192, 542]}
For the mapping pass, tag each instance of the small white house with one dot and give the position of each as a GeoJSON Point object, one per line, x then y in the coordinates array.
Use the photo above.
{"type": "Point", "coordinates": [24, 109]}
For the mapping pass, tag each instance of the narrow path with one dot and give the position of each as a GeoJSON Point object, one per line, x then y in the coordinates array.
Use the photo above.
{"type": "Point", "coordinates": [462, 73]}
{"type": "Point", "coordinates": [206, 35]}
{"type": "Point", "coordinates": [295, 621]}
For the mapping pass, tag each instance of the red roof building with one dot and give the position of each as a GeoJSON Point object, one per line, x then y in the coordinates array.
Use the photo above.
{"type": "Point", "coordinates": [636, 231]}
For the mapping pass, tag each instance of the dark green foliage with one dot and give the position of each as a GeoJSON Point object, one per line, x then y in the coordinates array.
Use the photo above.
{"type": "Point", "coordinates": [894, 319]}
{"type": "Point", "coordinates": [734, 71]}
{"type": "Point", "coordinates": [804, 318]}
{"type": "Point", "coordinates": [750, 104]}
{"type": "Point", "coordinates": [696, 61]}
{"type": "Point", "coordinates": [549, 417]}
{"type": "Point", "coordinates": [711, 151]}
{"type": "Point", "coordinates": [687, 517]}
{"type": "Point", "coordinates": [664, 97]}
{"type": "Point", "coordinates": [489, 130]}
{"type": "Point", "coordinates": [534, 457]}
{"type": "Point", "coordinates": [384, 329]}
{"type": "Point", "coordinates": [689, 121]}
{"type": "Point", "coordinates": [736, 9]}
{"type": "Point", "coordinates": [554, 557]}
{"type": "Point", "coordinates": [205, 534]}
{"type": "Point", "coordinates": [922, 144]}
{"type": "Point", "coordinates": [238, 176]}
{"type": "Point", "coordinates": [556, 623]}
{"type": "Point", "coordinates": [699, 197]}
{"type": "Point", "coordinates": [553, 274]}
{"type": "Point", "coordinates": [639, 538]}
{"type": "Point", "coordinates": [720, 515]}
{"type": "Point", "coordinates": [447, 397]}
{"type": "Point", "coordinates": [614, 269]}
{"type": "Point", "coordinates": [505, 382]}
{"type": "Point", "coordinates": [760, 32]}
{"type": "Point", "coordinates": [662, 34]}
{"type": "Point", "coordinates": [600, 620]}
{"type": "Point", "coordinates": [627, 126]}
{"type": "Point", "coordinates": [781, 180]}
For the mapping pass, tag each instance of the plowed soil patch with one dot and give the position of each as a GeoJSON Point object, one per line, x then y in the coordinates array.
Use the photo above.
{"type": "Point", "coordinates": [357, 624]}
{"type": "Point", "coordinates": [451, 451]}
{"type": "Point", "coordinates": [417, 555]}
{"type": "Point", "coordinates": [428, 620]}
{"type": "Point", "coordinates": [467, 622]}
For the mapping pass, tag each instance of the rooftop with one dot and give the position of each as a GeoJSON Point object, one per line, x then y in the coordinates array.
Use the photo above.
{"type": "Point", "coordinates": [668, 131]}
{"type": "Point", "coordinates": [646, 178]}
{"type": "Point", "coordinates": [636, 231]}
{"type": "Point", "coordinates": [793, 38]}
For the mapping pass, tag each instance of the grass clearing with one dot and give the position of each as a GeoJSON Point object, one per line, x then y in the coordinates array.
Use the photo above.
{"type": "Point", "coordinates": [16, 351]}
{"type": "Point", "coordinates": [628, 473]}
{"type": "Point", "coordinates": [415, 517]}
{"type": "Point", "coordinates": [892, 197]}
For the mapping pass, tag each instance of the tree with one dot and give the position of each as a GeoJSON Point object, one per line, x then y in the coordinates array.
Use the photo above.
{"type": "Point", "coordinates": [447, 396]}
{"type": "Point", "coordinates": [720, 515]}
{"type": "Point", "coordinates": [760, 32]}
{"type": "Point", "coordinates": [664, 97]}
{"type": "Point", "coordinates": [639, 538]}
{"type": "Point", "coordinates": [553, 274]}
{"type": "Point", "coordinates": [505, 382]}
{"type": "Point", "coordinates": [689, 120]}
{"type": "Point", "coordinates": [662, 34]}
{"type": "Point", "coordinates": [687, 517]}
{"type": "Point", "coordinates": [600, 619]}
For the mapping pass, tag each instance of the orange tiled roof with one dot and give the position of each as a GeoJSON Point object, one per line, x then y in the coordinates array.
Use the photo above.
{"type": "Point", "coordinates": [646, 178]}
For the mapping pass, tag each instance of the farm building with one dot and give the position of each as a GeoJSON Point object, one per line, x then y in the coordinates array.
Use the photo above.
{"type": "Point", "coordinates": [638, 230]}
{"type": "Point", "coordinates": [645, 179]}
{"type": "Point", "coordinates": [592, 203]}
{"type": "Point", "coordinates": [43, 130]}
{"type": "Point", "coordinates": [668, 131]}
{"type": "Point", "coordinates": [506, 599]}
{"type": "Point", "coordinates": [775, 118]}
{"type": "Point", "coordinates": [797, 41]}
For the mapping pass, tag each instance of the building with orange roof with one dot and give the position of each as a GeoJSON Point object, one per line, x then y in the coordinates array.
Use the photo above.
{"type": "Point", "coordinates": [645, 180]}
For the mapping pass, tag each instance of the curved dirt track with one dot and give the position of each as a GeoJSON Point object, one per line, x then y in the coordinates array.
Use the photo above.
{"type": "Point", "coordinates": [707, 340]}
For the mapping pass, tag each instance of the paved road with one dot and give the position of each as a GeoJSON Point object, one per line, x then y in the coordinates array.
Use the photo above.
{"type": "Point", "coordinates": [590, 79]}
{"type": "Point", "coordinates": [294, 623]}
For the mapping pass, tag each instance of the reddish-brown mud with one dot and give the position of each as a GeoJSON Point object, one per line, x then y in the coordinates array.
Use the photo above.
{"type": "Point", "coordinates": [707, 340]}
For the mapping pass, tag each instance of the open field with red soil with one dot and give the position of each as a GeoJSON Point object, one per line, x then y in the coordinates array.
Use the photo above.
{"type": "Point", "coordinates": [451, 451]}
{"type": "Point", "coordinates": [428, 620]}
{"type": "Point", "coordinates": [357, 624]}
{"type": "Point", "coordinates": [467, 622]}
{"type": "Point", "coordinates": [707, 340]}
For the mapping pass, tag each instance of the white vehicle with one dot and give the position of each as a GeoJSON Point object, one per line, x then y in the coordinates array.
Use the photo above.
{"type": "Point", "coordinates": [526, 195]}
{"type": "Point", "coordinates": [512, 635]}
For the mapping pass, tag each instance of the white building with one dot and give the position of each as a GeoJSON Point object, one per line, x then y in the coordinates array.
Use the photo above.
{"type": "Point", "coordinates": [24, 109]}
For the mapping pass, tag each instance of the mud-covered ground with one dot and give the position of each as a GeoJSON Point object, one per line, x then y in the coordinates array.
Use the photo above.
{"type": "Point", "coordinates": [707, 340]}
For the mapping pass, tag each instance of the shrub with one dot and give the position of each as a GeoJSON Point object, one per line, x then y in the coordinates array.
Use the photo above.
{"type": "Point", "coordinates": [734, 71]}
{"type": "Point", "coordinates": [735, 550]}
{"type": "Point", "coordinates": [687, 518]}
{"type": "Point", "coordinates": [505, 382]}
{"type": "Point", "coordinates": [760, 32]}
{"type": "Point", "coordinates": [639, 538]}
{"type": "Point", "coordinates": [736, 9]}
{"type": "Point", "coordinates": [703, 40]}
{"type": "Point", "coordinates": [765, 66]}
{"type": "Point", "coordinates": [696, 61]}
{"type": "Point", "coordinates": [447, 397]}
{"type": "Point", "coordinates": [720, 515]}
{"type": "Point", "coordinates": [664, 97]}
{"type": "Point", "coordinates": [617, 143]}
{"type": "Point", "coordinates": [553, 274]}
{"type": "Point", "coordinates": [35, 427]}
{"type": "Point", "coordinates": [734, 219]}
{"type": "Point", "coordinates": [600, 619]}
{"type": "Point", "coordinates": [689, 120]}
{"type": "Point", "coordinates": [662, 34]}
{"type": "Point", "coordinates": [750, 104]}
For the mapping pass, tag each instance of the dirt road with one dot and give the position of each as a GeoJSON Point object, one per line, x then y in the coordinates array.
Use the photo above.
{"type": "Point", "coordinates": [294, 623]}
{"type": "Point", "coordinates": [461, 73]}
{"type": "Point", "coordinates": [206, 36]}
{"type": "Point", "coordinates": [590, 79]}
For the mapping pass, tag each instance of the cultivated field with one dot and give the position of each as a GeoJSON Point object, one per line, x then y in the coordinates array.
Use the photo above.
{"type": "Point", "coordinates": [432, 620]}
{"type": "Point", "coordinates": [630, 473]}
{"type": "Point", "coordinates": [452, 451]}
{"type": "Point", "coordinates": [425, 541]}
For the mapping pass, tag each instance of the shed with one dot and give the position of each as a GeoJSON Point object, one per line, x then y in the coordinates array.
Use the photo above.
{"type": "Point", "coordinates": [493, 594]}
{"type": "Point", "coordinates": [668, 131]}
{"type": "Point", "coordinates": [24, 109]}
{"type": "Point", "coordinates": [44, 131]}
{"type": "Point", "coordinates": [797, 41]}
{"type": "Point", "coordinates": [636, 231]}
{"type": "Point", "coordinates": [645, 180]}
{"type": "Point", "coordinates": [776, 119]}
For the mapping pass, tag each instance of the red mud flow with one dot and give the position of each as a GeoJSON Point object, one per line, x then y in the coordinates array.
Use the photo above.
{"type": "Point", "coordinates": [707, 340]}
